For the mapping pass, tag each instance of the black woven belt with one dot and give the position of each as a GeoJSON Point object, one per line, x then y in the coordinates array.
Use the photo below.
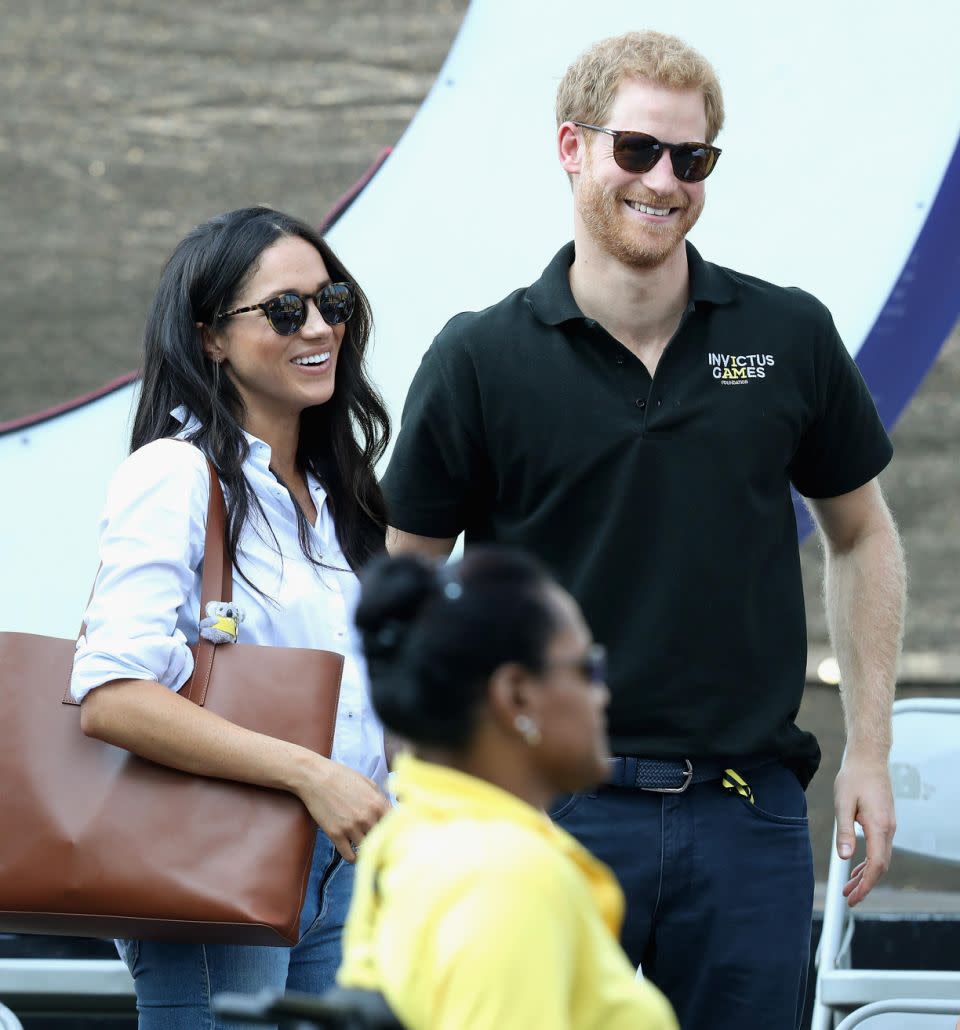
{"type": "Point", "coordinates": [671, 776]}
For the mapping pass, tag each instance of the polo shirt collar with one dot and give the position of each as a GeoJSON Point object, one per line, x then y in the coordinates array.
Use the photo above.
{"type": "Point", "coordinates": [708, 282]}
{"type": "Point", "coordinates": [550, 295]}
{"type": "Point", "coordinates": [552, 300]}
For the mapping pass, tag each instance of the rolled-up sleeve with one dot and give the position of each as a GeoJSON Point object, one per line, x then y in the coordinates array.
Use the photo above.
{"type": "Point", "coordinates": [151, 546]}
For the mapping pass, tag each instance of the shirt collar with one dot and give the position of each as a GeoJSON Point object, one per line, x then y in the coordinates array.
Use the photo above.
{"type": "Point", "coordinates": [442, 793]}
{"type": "Point", "coordinates": [446, 791]}
{"type": "Point", "coordinates": [258, 456]}
{"type": "Point", "coordinates": [708, 282]}
{"type": "Point", "coordinates": [260, 452]}
{"type": "Point", "coordinates": [552, 300]}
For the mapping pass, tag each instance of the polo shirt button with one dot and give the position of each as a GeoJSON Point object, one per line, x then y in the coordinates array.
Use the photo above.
{"type": "Point", "coordinates": [641, 403]}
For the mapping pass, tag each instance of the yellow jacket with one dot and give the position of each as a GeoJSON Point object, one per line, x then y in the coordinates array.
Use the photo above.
{"type": "Point", "coordinates": [473, 911]}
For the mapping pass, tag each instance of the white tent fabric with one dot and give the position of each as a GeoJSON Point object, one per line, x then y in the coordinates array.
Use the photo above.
{"type": "Point", "coordinates": [842, 125]}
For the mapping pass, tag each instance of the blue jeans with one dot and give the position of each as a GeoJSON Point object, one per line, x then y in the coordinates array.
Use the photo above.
{"type": "Point", "coordinates": [175, 982]}
{"type": "Point", "coordinates": [719, 893]}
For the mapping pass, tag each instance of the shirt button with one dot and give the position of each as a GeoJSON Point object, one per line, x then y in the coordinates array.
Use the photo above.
{"type": "Point", "coordinates": [620, 360]}
{"type": "Point", "coordinates": [641, 403]}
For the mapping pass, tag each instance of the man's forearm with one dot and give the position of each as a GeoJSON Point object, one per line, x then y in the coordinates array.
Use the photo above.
{"type": "Point", "coordinates": [865, 594]}
{"type": "Point", "coordinates": [399, 542]}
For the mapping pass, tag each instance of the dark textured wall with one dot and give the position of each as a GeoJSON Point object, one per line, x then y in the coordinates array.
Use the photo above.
{"type": "Point", "coordinates": [126, 122]}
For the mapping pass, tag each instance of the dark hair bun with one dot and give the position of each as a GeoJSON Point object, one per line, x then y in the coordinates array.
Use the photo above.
{"type": "Point", "coordinates": [434, 635]}
{"type": "Point", "coordinates": [394, 593]}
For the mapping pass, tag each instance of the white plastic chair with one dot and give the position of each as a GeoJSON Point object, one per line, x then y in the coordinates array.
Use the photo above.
{"type": "Point", "coordinates": [925, 770]}
{"type": "Point", "coordinates": [905, 1014]}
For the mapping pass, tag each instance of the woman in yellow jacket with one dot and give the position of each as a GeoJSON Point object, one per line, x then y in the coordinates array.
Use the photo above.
{"type": "Point", "coordinates": [471, 910]}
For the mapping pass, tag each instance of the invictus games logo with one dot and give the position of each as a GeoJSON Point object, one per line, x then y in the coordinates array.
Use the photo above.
{"type": "Point", "coordinates": [732, 369]}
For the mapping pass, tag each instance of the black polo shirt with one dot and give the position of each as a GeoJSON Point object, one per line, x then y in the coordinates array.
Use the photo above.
{"type": "Point", "coordinates": [662, 504]}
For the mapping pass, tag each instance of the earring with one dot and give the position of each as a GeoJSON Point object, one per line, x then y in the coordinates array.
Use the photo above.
{"type": "Point", "coordinates": [527, 729]}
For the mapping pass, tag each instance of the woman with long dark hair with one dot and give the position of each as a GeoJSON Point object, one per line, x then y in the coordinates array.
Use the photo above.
{"type": "Point", "coordinates": [254, 359]}
{"type": "Point", "coordinates": [471, 908]}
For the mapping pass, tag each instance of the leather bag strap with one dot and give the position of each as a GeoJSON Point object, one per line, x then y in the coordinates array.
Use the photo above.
{"type": "Point", "coordinates": [216, 584]}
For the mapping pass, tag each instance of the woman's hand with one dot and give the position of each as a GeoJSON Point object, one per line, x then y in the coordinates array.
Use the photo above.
{"type": "Point", "coordinates": [155, 723]}
{"type": "Point", "coordinates": [345, 804]}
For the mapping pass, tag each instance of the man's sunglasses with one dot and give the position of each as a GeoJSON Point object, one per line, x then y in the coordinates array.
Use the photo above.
{"type": "Point", "coordinates": [288, 312]}
{"type": "Point", "coordinates": [638, 152]}
{"type": "Point", "coordinates": [592, 665]}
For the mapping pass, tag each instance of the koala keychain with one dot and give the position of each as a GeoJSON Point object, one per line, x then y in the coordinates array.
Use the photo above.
{"type": "Point", "coordinates": [222, 624]}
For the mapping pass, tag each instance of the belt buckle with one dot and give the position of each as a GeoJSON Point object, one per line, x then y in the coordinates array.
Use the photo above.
{"type": "Point", "coordinates": [688, 777]}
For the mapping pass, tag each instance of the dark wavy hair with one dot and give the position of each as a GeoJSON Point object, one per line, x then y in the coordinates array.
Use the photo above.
{"type": "Point", "coordinates": [340, 441]}
{"type": "Point", "coordinates": [433, 636]}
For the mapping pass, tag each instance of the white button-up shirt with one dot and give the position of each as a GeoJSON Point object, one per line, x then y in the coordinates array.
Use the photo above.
{"type": "Point", "coordinates": [144, 614]}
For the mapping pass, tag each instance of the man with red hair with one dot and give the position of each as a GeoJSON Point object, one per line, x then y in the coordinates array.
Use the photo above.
{"type": "Point", "coordinates": [636, 418]}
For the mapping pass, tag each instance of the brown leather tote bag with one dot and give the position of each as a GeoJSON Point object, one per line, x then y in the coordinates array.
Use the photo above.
{"type": "Point", "coordinates": [97, 842]}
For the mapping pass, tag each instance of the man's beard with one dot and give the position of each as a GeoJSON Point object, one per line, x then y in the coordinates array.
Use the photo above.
{"type": "Point", "coordinates": [636, 245]}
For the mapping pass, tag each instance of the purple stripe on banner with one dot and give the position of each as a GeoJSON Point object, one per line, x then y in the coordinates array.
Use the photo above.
{"type": "Point", "coordinates": [918, 316]}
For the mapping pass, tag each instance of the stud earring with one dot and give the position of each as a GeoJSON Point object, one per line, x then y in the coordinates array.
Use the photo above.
{"type": "Point", "coordinates": [527, 729]}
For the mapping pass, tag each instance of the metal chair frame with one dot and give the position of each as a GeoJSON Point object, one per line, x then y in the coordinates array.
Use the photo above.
{"type": "Point", "coordinates": [840, 987]}
{"type": "Point", "coordinates": [922, 1007]}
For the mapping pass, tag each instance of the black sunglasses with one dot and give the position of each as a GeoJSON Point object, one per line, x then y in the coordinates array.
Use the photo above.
{"type": "Point", "coordinates": [288, 312]}
{"type": "Point", "coordinates": [592, 665]}
{"type": "Point", "coordinates": [639, 152]}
